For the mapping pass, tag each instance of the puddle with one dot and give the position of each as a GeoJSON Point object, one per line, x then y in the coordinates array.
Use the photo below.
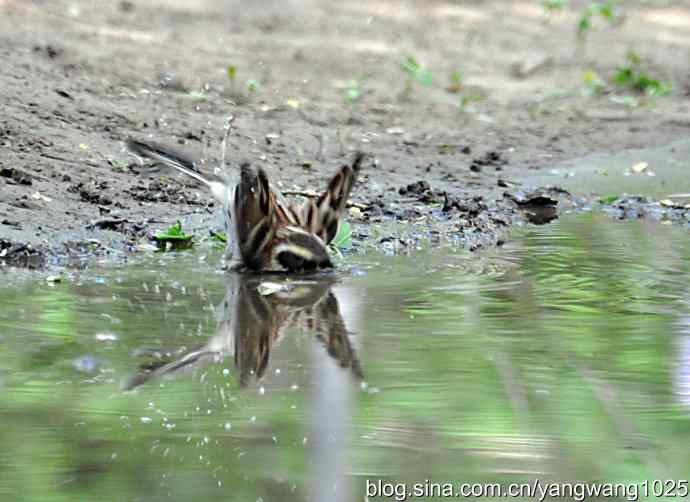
{"type": "Point", "coordinates": [563, 355]}
{"type": "Point", "coordinates": [603, 175]}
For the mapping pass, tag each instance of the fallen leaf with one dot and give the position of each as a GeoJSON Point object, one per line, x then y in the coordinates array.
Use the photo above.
{"type": "Point", "coordinates": [667, 203]}
{"type": "Point", "coordinates": [293, 103]}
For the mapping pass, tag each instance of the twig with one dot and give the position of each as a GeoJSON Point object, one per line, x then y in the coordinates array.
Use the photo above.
{"type": "Point", "coordinates": [68, 161]}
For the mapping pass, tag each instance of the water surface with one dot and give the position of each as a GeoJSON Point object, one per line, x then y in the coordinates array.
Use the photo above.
{"type": "Point", "coordinates": [564, 355]}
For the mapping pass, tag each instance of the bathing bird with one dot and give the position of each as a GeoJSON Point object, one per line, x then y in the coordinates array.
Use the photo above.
{"type": "Point", "coordinates": [265, 232]}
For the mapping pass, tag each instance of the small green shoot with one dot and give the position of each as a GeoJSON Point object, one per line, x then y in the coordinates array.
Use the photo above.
{"type": "Point", "coordinates": [608, 11]}
{"type": "Point", "coordinates": [219, 238]}
{"type": "Point", "coordinates": [607, 200]}
{"type": "Point", "coordinates": [551, 6]}
{"type": "Point", "coordinates": [236, 92]}
{"type": "Point", "coordinates": [252, 86]}
{"type": "Point", "coordinates": [465, 102]}
{"type": "Point", "coordinates": [594, 84]}
{"type": "Point", "coordinates": [631, 76]}
{"type": "Point", "coordinates": [353, 91]}
{"type": "Point", "coordinates": [342, 240]}
{"type": "Point", "coordinates": [456, 79]}
{"type": "Point", "coordinates": [174, 237]}
{"type": "Point", "coordinates": [415, 73]}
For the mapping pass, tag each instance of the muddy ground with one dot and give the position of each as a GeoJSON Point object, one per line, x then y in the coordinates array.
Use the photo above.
{"type": "Point", "coordinates": [78, 77]}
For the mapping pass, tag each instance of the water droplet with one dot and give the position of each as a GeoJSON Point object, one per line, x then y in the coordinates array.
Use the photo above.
{"type": "Point", "coordinates": [227, 426]}
{"type": "Point", "coordinates": [262, 391]}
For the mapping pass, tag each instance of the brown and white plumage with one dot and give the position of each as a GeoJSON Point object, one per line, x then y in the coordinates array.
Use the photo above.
{"type": "Point", "coordinates": [265, 232]}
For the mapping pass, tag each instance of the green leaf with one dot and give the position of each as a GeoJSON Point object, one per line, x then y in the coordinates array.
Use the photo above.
{"type": "Point", "coordinates": [174, 233]}
{"type": "Point", "coordinates": [583, 25]}
{"type": "Point", "coordinates": [416, 72]}
{"type": "Point", "coordinates": [551, 5]}
{"type": "Point", "coordinates": [425, 77]}
{"type": "Point", "coordinates": [608, 199]}
{"type": "Point", "coordinates": [252, 85]}
{"type": "Point", "coordinates": [219, 238]}
{"type": "Point", "coordinates": [352, 94]}
{"type": "Point", "coordinates": [343, 239]}
{"type": "Point", "coordinates": [232, 72]}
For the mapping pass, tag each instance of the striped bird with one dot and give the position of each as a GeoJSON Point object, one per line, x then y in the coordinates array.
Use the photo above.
{"type": "Point", "coordinates": [265, 232]}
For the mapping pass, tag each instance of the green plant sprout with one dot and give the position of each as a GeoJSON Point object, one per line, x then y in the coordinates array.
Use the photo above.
{"type": "Point", "coordinates": [456, 80]}
{"type": "Point", "coordinates": [608, 11]}
{"type": "Point", "coordinates": [232, 76]}
{"type": "Point", "coordinates": [353, 91]}
{"type": "Point", "coordinates": [342, 240]}
{"type": "Point", "coordinates": [631, 76]}
{"type": "Point", "coordinates": [252, 86]}
{"type": "Point", "coordinates": [465, 102]}
{"type": "Point", "coordinates": [594, 84]}
{"type": "Point", "coordinates": [415, 73]}
{"type": "Point", "coordinates": [553, 6]}
{"type": "Point", "coordinates": [174, 238]}
{"type": "Point", "coordinates": [219, 238]}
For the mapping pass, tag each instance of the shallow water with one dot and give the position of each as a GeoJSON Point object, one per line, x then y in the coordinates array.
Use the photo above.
{"type": "Point", "coordinates": [664, 173]}
{"type": "Point", "coordinates": [564, 355]}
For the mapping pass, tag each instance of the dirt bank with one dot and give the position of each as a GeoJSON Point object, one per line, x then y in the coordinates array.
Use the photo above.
{"type": "Point", "coordinates": [314, 81]}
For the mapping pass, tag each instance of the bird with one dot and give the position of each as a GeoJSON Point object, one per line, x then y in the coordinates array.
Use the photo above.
{"type": "Point", "coordinates": [252, 320]}
{"type": "Point", "coordinates": [266, 233]}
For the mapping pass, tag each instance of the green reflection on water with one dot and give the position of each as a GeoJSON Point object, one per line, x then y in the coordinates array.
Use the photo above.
{"type": "Point", "coordinates": [564, 355]}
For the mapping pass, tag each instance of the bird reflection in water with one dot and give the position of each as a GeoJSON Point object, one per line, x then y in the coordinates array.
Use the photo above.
{"type": "Point", "coordinates": [252, 320]}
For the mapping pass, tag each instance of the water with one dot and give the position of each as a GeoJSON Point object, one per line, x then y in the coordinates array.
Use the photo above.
{"type": "Point", "coordinates": [564, 355]}
{"type": "Point", "coordinates": [664, 173]}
